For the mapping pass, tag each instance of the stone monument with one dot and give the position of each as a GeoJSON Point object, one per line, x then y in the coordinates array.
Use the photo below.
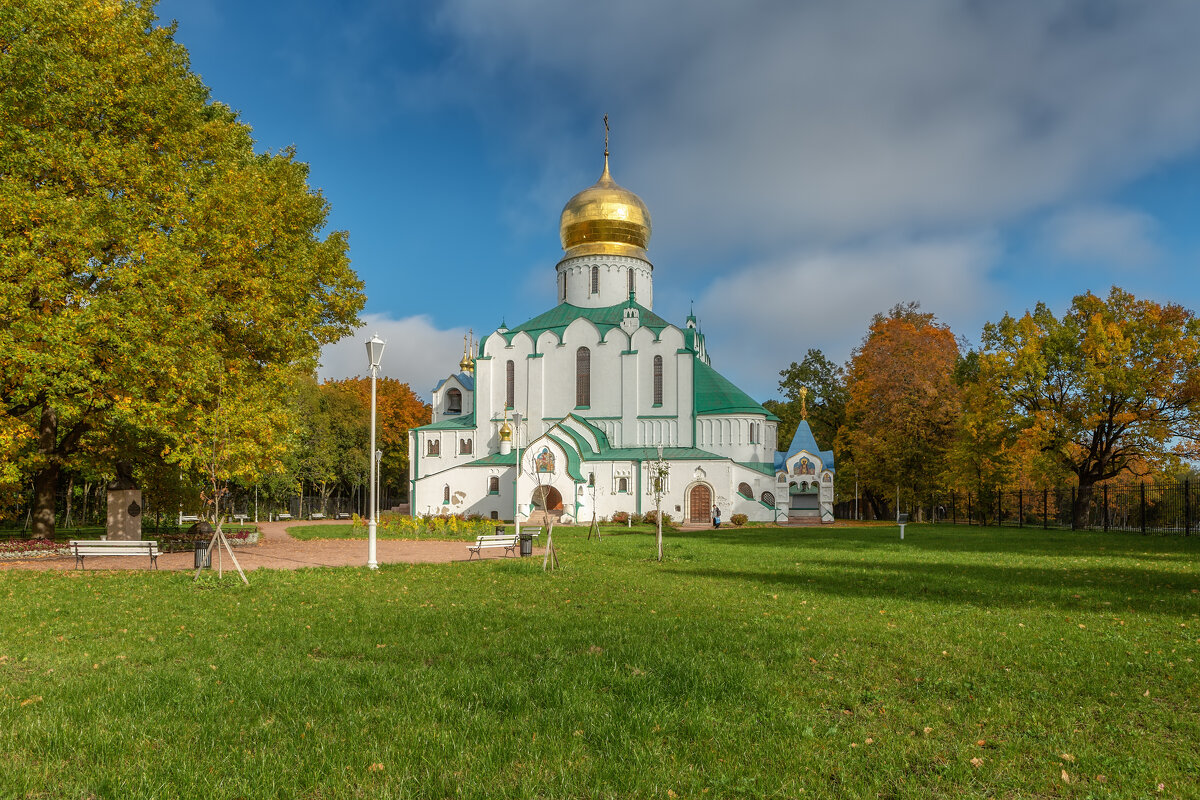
{"type": "Point", "coordinates": [124, 507]}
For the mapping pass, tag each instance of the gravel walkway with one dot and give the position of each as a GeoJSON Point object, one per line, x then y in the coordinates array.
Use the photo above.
{"type": "Point", "coordinates": [277, 550]}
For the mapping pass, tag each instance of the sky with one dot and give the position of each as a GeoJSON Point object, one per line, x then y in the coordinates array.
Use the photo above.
{"type": "Point", "coordinates": [806, 164]}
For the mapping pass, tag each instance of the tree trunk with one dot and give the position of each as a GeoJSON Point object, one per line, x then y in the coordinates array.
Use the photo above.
{"type": "Point", "coordinates": [45, 481]}
{"type": "Point", "coordinates": [1083, 502]}
{"type": "Point", "coordinates": [70, 492]}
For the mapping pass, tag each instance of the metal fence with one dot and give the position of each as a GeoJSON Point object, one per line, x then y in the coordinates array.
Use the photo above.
{"type": "Point", "coordinates": [86, 505]}
{"type": "Point", "coordinates": [1169, 507]}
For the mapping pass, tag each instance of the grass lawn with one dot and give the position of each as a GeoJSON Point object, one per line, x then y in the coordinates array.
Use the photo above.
{"type": "Point", "coordinates": [754, 663]}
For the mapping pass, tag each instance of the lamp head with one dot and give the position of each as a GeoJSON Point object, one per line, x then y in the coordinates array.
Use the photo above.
{"type": "Point", "coordinates": [375, 350]}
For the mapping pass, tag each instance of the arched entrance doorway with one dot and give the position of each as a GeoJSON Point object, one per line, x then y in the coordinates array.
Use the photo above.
{"type": "Point", "coordinates": [700, 504]}
{"type": "Point", "coordinates": [547, 498]}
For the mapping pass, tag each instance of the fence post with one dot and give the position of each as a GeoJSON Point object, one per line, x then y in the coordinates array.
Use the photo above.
{"type": "Point", "coordinates": [1020, 508]}
{"type": "Point", "coordinates": [1072, 508]}
{"type": "Point", "coordinates": [1187, 507]}
{"type": "Point", "coordinates": [1142, 486]}
{"type": "Point", "coordinates": [1106, 507]}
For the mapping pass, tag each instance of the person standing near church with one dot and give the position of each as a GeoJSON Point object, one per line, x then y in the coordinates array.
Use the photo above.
{"type": "Point", "coordinates": [716, 517]}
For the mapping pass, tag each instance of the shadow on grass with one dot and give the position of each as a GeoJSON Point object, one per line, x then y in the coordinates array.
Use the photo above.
{"type": "Point", "coordinates": [962, 539]}
{"type": "Point", "coordinates": [1151, 591]}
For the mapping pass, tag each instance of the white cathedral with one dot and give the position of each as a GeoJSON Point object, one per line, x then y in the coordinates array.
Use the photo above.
{"type": "Point", "coordinates": [569, 413]}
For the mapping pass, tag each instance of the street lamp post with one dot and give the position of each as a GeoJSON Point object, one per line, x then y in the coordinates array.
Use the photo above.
{"type": "Point", "coordinates": [517, 474]}
{"type": "Point", "coordinates": [374, 356]}
{"type": "Point", "coordinates": [378, 481]}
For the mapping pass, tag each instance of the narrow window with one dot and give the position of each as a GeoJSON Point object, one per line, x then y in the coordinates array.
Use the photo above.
{"type": "Point", "coordinates": [454, 402]}
{"type": "Point", "coordinates": [562, 287]}
{"type": "Point", "coordinates": [658, 380]}
{"type": "Point", "coordinates": [595, 280]}
{"type": "Point", "coordinates": [622, 484]}
{"type": "Point", "coordinates": [510, 385]}
{"type": "Point", "coordinates": [434, 448]}
{"type": "Point", "coordinates": [446, 493]}
{"type": "Point", "coordinates": [583, 377]}
{"type": "Point", "coordinates": [464, 446]}
{"type": "Point", "coordinates": [591, 479]}
{"type": "Point", "coordinates": [629, 273]}
{"type": "Point", "coordinates": [493, 485]}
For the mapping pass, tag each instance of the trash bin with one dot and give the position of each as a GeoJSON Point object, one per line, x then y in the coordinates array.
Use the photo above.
{"type": "Point", "coordinates": [203, 554]}
{"type": "Point", "coordinates": [526, 544]}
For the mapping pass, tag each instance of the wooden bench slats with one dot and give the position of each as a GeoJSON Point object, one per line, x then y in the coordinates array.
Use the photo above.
{"type": "Point", "coordinates": [81, 548]}
{"type": "Point", "coordinates": [508, 541]}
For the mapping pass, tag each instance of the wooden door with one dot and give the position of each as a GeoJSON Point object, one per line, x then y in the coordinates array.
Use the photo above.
{"type": "Point", "coordinates": [700, 504]}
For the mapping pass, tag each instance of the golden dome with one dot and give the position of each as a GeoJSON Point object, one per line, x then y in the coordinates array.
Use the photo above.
{"type": "Point", "coordinates": [605, 218]}
{"type": "Point", "coordinates": [506, 432]}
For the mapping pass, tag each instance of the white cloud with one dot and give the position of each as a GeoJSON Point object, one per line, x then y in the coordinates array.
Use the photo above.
{"type": "Point", "coordinates": [766, 316]}
{"type": "Point", "coordinates": [1103, 235]}
{"type": "Point", "coordinates": [762, 122]}
{"type": "Point", "coordinates": [416, 353]}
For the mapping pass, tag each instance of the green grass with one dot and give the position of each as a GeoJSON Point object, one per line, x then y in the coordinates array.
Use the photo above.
{"type": "Point", "coordinates": [752, 663]}
{"type": "Point", "coordinates": [348, 531]}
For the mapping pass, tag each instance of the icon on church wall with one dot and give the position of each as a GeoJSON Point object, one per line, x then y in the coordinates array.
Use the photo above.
{"type": "Point", "coordinates": [544, 461]}
{"type": "Point", "coordinates": [804, 467]}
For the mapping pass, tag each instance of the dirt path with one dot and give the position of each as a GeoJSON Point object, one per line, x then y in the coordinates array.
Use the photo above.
{"type": "Point", "coordinates": [277, 550]}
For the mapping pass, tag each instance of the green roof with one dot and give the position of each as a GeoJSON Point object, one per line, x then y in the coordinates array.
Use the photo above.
{"type": "Point", "coordinates": [453, 423]}
{"type": "Point", "coordinates": [558, 318]}
{"type": "Point", "coordinates": [765, 467]}
{"type": "Point", "coordinates": [496, 460]}
{"type": "Point", "coordinates": [715, 394]}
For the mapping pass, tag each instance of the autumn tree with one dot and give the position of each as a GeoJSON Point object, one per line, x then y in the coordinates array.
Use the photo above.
{"type": "Point", "coordinates": [398, 408]}
{"type": "Point", "coordinates": [1112, 387]}
{"type": "Point", "coordinates": [153, 264]}
{"type": "Point", "coordinates": [902, 406]}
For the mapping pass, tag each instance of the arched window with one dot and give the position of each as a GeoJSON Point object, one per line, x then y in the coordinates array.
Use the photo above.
{"type": "Point", "coordinates": [622, 484]}
{"type": "Point", "coordinates": [591, 479]}
{"type": "Point", "coordinates": [629, 274]}
{"type": "Point", "coordinates": [745, 490]}
{"type": "Point", "coordinates": [510, 384]}
{"type": "Point", "coordinates": [464, 447]}
{"type": "Point", "coordinates": [495, 515]}
{"type": "Point", "coordinates": [493, 485]}
{"type": "Point", "coordinates": [454, 402]}
{"type": "Point", "coordinates": [658, 380]}
{"type": "Point", "coordinates": [769, 499]}
{"type": "Point", "coordinates": [562, 287]}
{"type": "Point", "coordinates": [583, 377]}
{"type": "Point", "coordinates": [446, 494]}
{"type": "Point", "coordinates": [595, 280]}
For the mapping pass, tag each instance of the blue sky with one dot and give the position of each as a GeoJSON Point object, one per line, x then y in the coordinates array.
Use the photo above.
{"type": "Point", "coordinates": [806, 164]}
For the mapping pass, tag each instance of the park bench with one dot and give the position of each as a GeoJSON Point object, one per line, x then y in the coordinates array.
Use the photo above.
{"type": "Point", "coordinates": [316, 515]}
{"type": "Point", "coordinates": [283, 516]}
{"type": "Point", "coordinates": [343, 515]}
{"type": "Point", "coordinates": [188, 518]}
{"type": "Point", "coordinates": [508, 541]}
{"type": "Point", "coordinates": [90, 547]}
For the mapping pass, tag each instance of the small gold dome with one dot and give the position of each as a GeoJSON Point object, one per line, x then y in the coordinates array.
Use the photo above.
{"type": "Point", "coordinates": [605, 218]}
{"type": "Point", "coordinates": [467, 364]}
{"type": "Point", "coordinates": [506, 432]}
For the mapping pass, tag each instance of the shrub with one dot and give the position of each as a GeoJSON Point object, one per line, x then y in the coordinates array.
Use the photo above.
{"type": "Point", "coordinates": [636, 519]}
{"type": "Point", "coordinates": [651, 518]}
{"type": "Point", "coordinates": [738, 520]}
{"type": "Point", "coordinates": [621, 517]}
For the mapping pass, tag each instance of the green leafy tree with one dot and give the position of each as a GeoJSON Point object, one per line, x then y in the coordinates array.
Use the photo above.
{"type": "Point", "coordinates": [155, 268]}
{"type": "Point", "coordinates": [825, 399]}
{"type": "Point", "coordinates": [1112, 387]}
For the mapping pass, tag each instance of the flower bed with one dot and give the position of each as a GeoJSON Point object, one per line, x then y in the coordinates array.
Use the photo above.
{"type": "Point", "coordinates": [32, 548]}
